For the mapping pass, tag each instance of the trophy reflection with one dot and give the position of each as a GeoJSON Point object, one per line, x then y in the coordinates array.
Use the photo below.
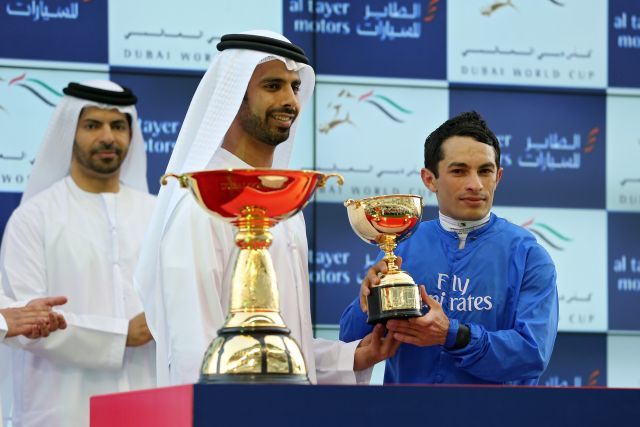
{"type": "Point", "coordinates": [385, 221]}
{"type": "Point", "coordinates": [254, 344]}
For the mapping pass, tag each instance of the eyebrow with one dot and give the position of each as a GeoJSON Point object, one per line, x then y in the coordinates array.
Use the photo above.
{"type": "Point", "coordinates": [487, 165]}
{"type": "Point", "coordinates": [457, 165]}
{"type": "Point", "coordinates": [464, 165]}
{"type": "Point", "coordinates": [279, 80]}
{"type": "Point", "coordinates": [91, 119]}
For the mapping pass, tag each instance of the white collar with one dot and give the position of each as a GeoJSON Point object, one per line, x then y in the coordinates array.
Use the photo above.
{"type": "Point", "coordinates": [73, 186]}
{"type": "Point", "coordinates": [462, 227]}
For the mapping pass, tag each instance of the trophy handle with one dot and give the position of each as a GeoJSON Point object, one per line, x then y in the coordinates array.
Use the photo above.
{"type": "Point", "coordinates": [182, 179]}
{"type": "Point", "coordinates": [323, 179]}
{"type": "Point", "coordinates": [350, 202]}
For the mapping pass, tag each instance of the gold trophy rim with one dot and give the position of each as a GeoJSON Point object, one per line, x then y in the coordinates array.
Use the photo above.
{"type": "Point", "coordinates": [164, 177]}
{"type": "Point", "coordinates": [258, 168]}
{"type": "Point", "coordinates": [350, 201]}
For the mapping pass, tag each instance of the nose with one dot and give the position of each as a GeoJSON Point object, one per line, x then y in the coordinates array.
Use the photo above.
{"type": "Point", "coordinates": [106, 135]}
{"type": "Point", "coordinates": [289, 98]}
{"type": "Point", "coordinates": [474, 183]}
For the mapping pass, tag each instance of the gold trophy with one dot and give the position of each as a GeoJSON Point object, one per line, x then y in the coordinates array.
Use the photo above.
{"type": "Point", "coordinates": [254, 344]}
{"type": "Point", "coordinates": [385, 221]}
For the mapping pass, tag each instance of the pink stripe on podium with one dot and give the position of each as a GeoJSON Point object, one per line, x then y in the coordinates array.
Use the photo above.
{"type": "Point", "coordinates": [170, 407]}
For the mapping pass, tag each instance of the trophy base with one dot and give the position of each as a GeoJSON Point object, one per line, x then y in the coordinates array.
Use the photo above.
{"type": "Point", "coordinates": [253, 355]}
{"type": "Point", "coordinates": [394, 301]}
{"type": "Point", "coordinates": [253, 378]}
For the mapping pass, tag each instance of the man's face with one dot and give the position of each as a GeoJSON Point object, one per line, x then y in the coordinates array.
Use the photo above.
{"type": "Point", "coordinates": [102, 140]}
{"type": "Point", "coordinates": [271, 104]}
{"type": "Point", "coordinates": [467, 178]}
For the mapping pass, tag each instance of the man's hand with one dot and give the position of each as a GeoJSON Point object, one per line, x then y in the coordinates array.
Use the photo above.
{"type": "Point", "coordinates": [36, 319]}
{"type": "Point", "coordinates": [373, 279]}
{"type": "Point", "coordinates": [374, 348]}
{"type": "Point", "coordinates": [139, 333]}
{"type": "Point", "coordinates": [56, 320]}
{"type": "Point", "coordinates": [430, 329]}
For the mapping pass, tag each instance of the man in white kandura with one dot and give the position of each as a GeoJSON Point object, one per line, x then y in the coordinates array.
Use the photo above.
{"type": "Point", "coordinates": [241, 116]}
{"type": "Point", "coordinates": [78, 232]}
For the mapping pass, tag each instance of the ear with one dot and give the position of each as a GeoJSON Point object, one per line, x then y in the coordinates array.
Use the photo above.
{"type": "Point", "coordinates": [429, 179]}
{"type": "Point", "coordinates": [499, 175]}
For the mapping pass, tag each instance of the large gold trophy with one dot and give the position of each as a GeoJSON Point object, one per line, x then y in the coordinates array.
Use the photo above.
{"type": "Point", "coordinates": [254, 344]}
{"type": "Point", "coordinates": [385, 221]}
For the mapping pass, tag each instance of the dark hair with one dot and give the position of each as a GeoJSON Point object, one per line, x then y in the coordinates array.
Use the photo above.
{"type": "Point", "coordinates": [466, 124]}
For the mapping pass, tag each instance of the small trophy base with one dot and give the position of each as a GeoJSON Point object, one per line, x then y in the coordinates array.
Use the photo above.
{"type": "Point", "coordinates": [393, 301]}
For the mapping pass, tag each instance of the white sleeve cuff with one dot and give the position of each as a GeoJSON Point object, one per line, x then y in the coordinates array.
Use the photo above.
{"type": "Point", "coordinates": [4, 328]}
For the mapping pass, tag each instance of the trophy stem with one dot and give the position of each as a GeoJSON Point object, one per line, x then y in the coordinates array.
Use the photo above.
{"type": "Point", "coordinates": [255, 301]}
{"type": "Point", "coordinates": [254, 344]}
{"type": "Point", "coordinates": [253, 229]}
{"type": "Point", "coordinates": [388, 244]}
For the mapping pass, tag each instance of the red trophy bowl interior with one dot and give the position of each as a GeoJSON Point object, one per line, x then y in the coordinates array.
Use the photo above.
{"type": "Point", "coordinates": [227, 193]}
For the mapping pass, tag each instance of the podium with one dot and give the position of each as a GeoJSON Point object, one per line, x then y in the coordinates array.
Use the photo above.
{"type": "Point", "coordinates": [331, 406]}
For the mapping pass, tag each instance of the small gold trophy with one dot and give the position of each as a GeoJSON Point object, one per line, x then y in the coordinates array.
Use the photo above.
{"type": "Point", "coordinates": [254, 344]}
{"type": "Point", "coordinates": [385, 221]}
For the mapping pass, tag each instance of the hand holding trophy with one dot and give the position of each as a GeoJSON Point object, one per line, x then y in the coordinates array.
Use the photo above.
{"type": "Point", "coordinates": [385, 221]}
